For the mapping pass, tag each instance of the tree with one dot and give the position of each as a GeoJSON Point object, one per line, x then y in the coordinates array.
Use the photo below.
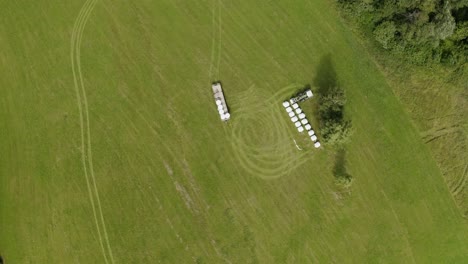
{"type": "Point", "coordinates": [335, 129]}
{"type": "Point", "coordinates": [444, 23]}
{"type": "Point", "coordinates": [385, 33]}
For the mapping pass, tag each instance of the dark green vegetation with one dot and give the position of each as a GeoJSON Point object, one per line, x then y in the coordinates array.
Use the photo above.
{"type": "Point", "coordinates": [334, 128]}
{"type": "Point", "coordinates": [340, 172]}
{"type": "Point", "coordinates": [170, 183]}
{"type": "Point", "coordinates": [422, 32]}
{"type": "Point", "coordinates": [426, 68]}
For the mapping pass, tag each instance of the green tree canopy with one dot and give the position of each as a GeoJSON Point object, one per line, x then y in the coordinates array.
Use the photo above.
{"type": "Point", "coordinates": [425, 31]}
{"type": "Point", "coordinates": [334, 128]}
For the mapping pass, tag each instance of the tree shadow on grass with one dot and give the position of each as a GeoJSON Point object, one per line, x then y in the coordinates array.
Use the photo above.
{"type": "Point", "coordinates": [325, 77]}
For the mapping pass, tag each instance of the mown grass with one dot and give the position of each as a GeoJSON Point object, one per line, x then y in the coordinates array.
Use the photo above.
{"type": "Point", "coordinates": [176, 185]}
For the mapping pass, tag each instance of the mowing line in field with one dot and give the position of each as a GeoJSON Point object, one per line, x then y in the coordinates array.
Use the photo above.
{"type": "Point", "coordinates": [176, 158]}
{"type": "Point", "coordinates": [275, 158]}
{"type": "Point", "coordinates": [75, 54]}
{"type": "Point", "coordinates": [254, 40]}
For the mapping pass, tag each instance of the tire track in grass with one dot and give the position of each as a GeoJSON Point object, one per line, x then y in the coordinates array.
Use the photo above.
{"type": "Point", "coordinates": [213, 41]}
{"type": "Point", "coordinates": [86, 151]}
{"type": "Point", "coordinates": [215, 58]}
{"type": "Point", "coordinates": [219, 40]}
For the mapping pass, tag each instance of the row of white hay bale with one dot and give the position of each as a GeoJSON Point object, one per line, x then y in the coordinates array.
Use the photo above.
{"type": "Point", "coordinates": [223, 113]}
{"type": "Point", "coordinates": [300, 121]}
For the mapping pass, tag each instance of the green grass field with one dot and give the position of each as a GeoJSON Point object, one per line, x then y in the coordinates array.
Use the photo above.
{"type": "Point", "coordinates": [113, 151]}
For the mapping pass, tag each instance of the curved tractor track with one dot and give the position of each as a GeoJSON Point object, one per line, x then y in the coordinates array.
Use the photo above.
{"type": "Point", "coordinates": [261, 135]}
